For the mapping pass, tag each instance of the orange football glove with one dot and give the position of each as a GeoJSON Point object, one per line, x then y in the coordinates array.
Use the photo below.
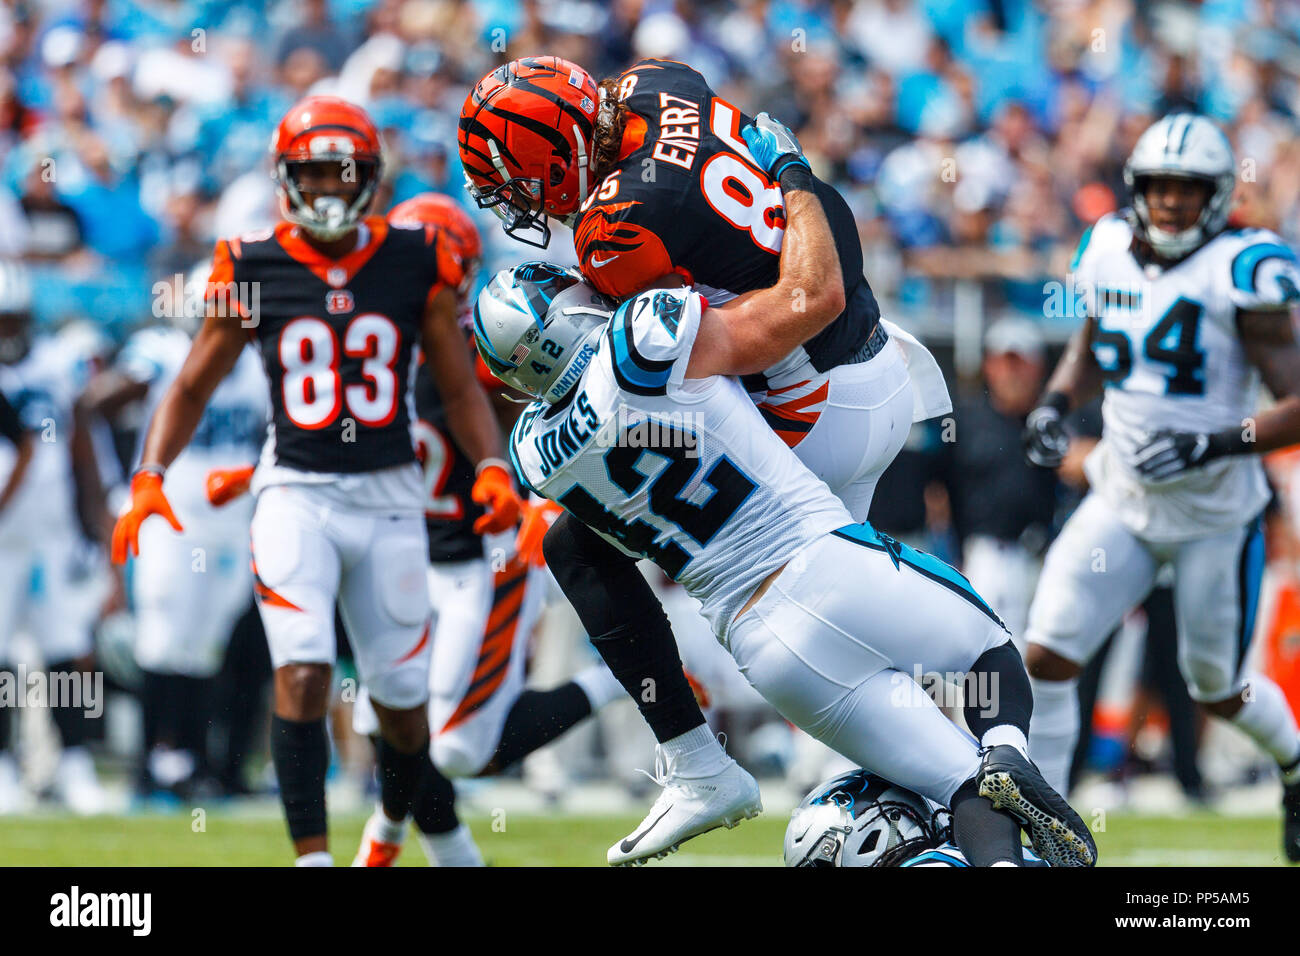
{"type": "Point", "coordinates": [494, 490]}
{"type": "Point", "coordinates": [701, 693]}
{"type": "Point", "coordinates": [224, 485]}
{"type": "Point", "coordinates": [538, 519]}
{"type": "Point", "coordinates": [147, 499]}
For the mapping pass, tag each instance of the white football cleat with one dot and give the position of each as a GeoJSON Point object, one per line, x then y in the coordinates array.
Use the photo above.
{"type": "Point", "coordinates": [688, 806]}
{"type": "Point", "coordinates": [77, 785]}
{"type": "Point", "coordinates": [381, 841]}
{"type": "Point", "coordinates": [456, 848]}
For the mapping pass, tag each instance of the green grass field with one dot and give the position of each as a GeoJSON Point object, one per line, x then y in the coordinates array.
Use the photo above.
{"type": "Point", "coordinates": [233, 839]}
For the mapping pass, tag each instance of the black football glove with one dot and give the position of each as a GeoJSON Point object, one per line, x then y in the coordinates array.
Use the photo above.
{"type": "Point", "coordinates": [1044, 437]}
{"type": "Point", "coordinates": [1167, 453]}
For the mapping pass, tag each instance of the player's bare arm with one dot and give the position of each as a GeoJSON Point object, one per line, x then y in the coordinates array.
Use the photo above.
{"type": "Point", "coordinates": [756, 330]}
{"type": "Point", "coordinates": [469, 413]}
{"type": "Point", "coordinates": [1270, 344]}
{"type": "Point", "coordinates": [92, 504]}
{"type": "Point", "coordinates": [214, 353]}
{"type": "Point", "coordinates": [1076, 380]}
{"type": "Point", "coordinates": [1268, 339]}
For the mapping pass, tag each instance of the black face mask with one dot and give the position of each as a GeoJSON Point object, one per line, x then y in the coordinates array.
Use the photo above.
{"type": "Point", "coordinates": [518, 221]}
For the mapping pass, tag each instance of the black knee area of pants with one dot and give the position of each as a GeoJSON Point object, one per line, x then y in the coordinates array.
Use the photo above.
{"type": "Point", "coordinates": [626, 624]}
{"type": "Point", "coordinates": [300, 752]}
{"type": "Point", "coordinates": [537, 718]}
{"type": "Point", "coordinates": [399, 777]}
{"type": "Point", "coordinates": [984, 835]}
{"type": "Point", "coordinates": [998, 675]}
{"type": "Point", "coordinates": [434, 809]}
{"type": "Point", "coordinates": [69, 715]}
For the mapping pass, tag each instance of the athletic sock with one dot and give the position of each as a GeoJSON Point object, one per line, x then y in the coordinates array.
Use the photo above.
{"type": "Point", "coordinates": [696, 753]}
{"type": "Point", "coordinates": [599, 685]}
{"type": "Point", "coordinates": [434, 808]}
{"type": "Point", "coordinates": [453, 848]}
{"type": "Point", "coordinates": [70, 721]}
{"type": "Point", "coordinates": [537, 718]}
{"type": "Point", "coordinates": [387, 830]}
{"type": "Point", "coordinates": [986, 836]}
{"type": "Point", "coordinates": [319, 858]}
{"type": "Point", "coordinates": [1054, 730]}
{"type": "Point", "coordinates": [998, 692]}
{"type": "Point", "coordinates": [1266, 718]}
{"type": "Point", "coordinates": [1005, 735]}
{"type": "Point", "coordinates": [399, 778]}
{"type": "Point", "coordinates": [300, 753]}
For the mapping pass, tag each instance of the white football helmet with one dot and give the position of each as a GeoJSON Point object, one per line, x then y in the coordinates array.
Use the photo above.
{"type": "Point", "coordinates": [536, 327]}
{"type": "Point", "coordinates": [859, 819]}
{"type": "Point", "coordinates": [1186, 146]}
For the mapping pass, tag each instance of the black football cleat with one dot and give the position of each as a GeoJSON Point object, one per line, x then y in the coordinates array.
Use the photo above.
{"type": "Point", "coordinates": [1058, 834]}
{"type": "Point", "coordinates": [1291, 821]}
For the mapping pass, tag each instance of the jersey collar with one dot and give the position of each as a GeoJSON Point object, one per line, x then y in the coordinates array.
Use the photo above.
{"type": "Point", "coordinates": [335, 273]}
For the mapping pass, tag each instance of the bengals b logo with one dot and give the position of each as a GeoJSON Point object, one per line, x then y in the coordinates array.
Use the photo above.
{"type": "Point", "coordinates": [338, 301]}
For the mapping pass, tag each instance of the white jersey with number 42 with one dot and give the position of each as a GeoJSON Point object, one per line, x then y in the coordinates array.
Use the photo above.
{"type": "Point", "coordinates": [684, 472]}
{"type": "Point", "coordinates": [1168, 347]}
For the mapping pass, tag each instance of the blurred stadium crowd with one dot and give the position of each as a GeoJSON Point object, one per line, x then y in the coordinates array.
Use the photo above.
{"type": "Point", "coordinates": [975, 139]}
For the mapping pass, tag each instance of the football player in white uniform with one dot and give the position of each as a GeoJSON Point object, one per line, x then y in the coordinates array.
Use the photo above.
{"type": "Point", "coordinates": [1184, 317]}
{"type": "Point", "coordinates": [41, 542]}
{"type": "Point", "coordinates": [188, 589]}
{"type": "Point", "coordinates": [638, 433]}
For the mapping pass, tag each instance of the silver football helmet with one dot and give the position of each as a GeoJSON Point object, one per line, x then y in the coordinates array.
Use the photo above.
{"type": "Point", "coordinates": [1187, 146]}
{"type": "Point", "coordinates": [536, 327]}
{"type": "Point", "coordinates": [859, 819]}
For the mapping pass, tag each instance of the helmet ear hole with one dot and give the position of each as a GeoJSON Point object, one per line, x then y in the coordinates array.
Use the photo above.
{"type": "Point", "coordinates": [557, 175]}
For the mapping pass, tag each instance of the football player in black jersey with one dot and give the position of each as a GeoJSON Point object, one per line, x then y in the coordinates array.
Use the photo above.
{"type": "Point", "coordinates": [339, 305]}
{"type": "Point", "coordinates": [486, 599]}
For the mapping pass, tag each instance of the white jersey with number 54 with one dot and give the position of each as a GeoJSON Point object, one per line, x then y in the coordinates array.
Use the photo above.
{"type": "Point", "coordinates": [1168, 346]}
{"type": "Point", "coordinates": [684, 472]}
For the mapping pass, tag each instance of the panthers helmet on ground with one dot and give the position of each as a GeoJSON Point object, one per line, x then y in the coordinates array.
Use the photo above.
{"type": "Point", "coordinates": [536, 326]}
{"type": "Point", "coordinates": [1183, 146]}
{"type": "Point", "coordinates": [859, 819]}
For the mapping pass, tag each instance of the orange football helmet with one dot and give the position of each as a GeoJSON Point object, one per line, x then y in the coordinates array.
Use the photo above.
{"type": "Point", "coordinates": [327, 129]}
{"type": "Point", "coordinates": [525, 142]}
{"type": "Point", "coordinates": [453, 223]}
